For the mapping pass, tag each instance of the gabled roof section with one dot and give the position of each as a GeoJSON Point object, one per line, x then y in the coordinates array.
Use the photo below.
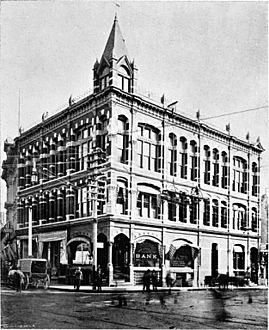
{"type": "Point", "coordinates": [115, 46]}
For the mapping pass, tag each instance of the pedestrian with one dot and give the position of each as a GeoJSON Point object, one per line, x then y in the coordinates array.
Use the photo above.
{"type": "Point", "coordinates": [94, 278]}
{"type": "Point", "coordinates": [146, 281]}
{"type": "Point", "coordinates": [154, 279]}
{"type": "Point", "coordinates": [169, 281]}
{"type": "Point", "coordinates": [99, 278]}
{"type": "Point", "coordinates": [78, 278]}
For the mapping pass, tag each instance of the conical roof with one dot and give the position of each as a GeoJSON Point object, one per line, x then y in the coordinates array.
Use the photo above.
{"type": "Point", "coordinates": [115, 46]}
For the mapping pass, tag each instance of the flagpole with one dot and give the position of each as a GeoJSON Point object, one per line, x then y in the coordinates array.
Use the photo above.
{"type": "Point", "coordinates": [19, 112]}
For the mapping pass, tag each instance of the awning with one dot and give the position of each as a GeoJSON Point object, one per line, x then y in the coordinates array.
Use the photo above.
{"type": "Point", "coordinates": [52, 237]}
{"type": "Point", "coordinates": [238, 248]}
{"type": "Point", "coordinates": [148, 189]}
{"type": "Point", "coordinates": [79, 239]}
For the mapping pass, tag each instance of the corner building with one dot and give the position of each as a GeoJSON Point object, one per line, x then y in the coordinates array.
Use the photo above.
{"type": "Point", "coordinates": [121, 181]}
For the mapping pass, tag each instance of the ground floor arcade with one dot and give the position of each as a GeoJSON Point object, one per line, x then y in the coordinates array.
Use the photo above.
{"type": "Point", "coordinates": [125, 251]}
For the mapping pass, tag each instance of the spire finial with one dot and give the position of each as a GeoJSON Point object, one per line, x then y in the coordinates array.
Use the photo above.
{"type": "Point", "coordinates": [115, 18]}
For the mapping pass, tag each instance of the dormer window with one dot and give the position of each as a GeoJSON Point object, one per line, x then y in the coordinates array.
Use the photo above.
{"type": "Point", "coordinates": [104, 82]}
{"type": "Point", "coordinates": [124, 78]}
{"type": "Point", "coordinates": [125, 84]}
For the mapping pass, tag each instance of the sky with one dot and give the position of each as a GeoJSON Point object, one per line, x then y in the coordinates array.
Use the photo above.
{"type": "Point", "coordinates": [211, 56]}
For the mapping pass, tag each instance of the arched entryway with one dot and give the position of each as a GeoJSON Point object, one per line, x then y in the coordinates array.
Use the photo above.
{"type": "Point", "coordinates": [121, 257]}
{"type": "Point", "coordinates": [254, 265]}
{"type": "Point", "coordinates": [102, 253]}
{"type": "Point", "coordinates": [182, 256]}
{"type": "Point", "coordinates": [79, 254]}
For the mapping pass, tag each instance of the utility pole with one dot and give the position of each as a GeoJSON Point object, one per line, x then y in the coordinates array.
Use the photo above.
{"type": "Point", "coordinates": [94, 180]}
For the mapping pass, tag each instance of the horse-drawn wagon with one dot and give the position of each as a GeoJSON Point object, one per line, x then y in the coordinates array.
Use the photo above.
{"type": "Point", "coordinates": [35, 272]}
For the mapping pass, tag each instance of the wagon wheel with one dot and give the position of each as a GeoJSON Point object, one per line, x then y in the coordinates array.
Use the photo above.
{"type": "Point", "coordinates": [26, 282]}
{"type": "Point", "coordinates": [46, 282]}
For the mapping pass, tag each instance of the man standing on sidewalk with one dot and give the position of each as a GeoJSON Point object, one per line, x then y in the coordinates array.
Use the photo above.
{"type": "Point", "coordinates": [78, 278]}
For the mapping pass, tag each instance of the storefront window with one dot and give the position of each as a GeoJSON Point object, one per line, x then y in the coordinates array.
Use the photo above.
{"type": "Point", "coordinates": [147, 254]}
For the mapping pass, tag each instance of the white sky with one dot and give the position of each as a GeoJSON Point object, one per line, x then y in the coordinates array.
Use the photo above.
{"type": "Point", "coordinates": [207, 55]}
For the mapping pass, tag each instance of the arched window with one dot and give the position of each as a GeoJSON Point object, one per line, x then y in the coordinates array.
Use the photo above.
{"type": "Point", "coordinates": [206, 218]}
{"type": "Point", "coordinates": [148, 205]}
{"type": "Point", "coordinates": [255, 180]}
{"type": "Point", "coordinates": [183, 158]}
{"type": "Point", "coordinates": [124, 78]}
{"type": "Point", "coordinates": [194, 208]}
{"type": "Point", "coordinates": [101, 134]}
{"type": "Point", "coordinates": [173, 200]}
{"type": "Point", "coordinates": [206, 165]}
{"type": "Point", "coordinates": [183, 208]}
{"type": "Point", "coordinates": [123, 139]}
{"type": "Point", "coordinates": [254, 220]}
{"type": "Point", "coordinates": [172, 154]}
{"type": "Point", "coordinates": [239, 217]}
{"type": "Point", "coordinates": [238, 260]}
{"type": "Point", "coordinates": [215, 213]}
{"type": "Point", "coordinates": [104, 79]}
{"type": "Point", "coordinates": [224, 174]}
{"type": "Point", "coordinates": [224, 215]}
{"type": "Point", "coordinates": [215, 179]}
{"type": "Point", "coordinates": [194, 160]}
{"type": "Point", "coordinates": [122, 197]}
{"type": "Point", "coordinates": [240, 175]}
{"type": "Point", "coordinates": [149, 148]}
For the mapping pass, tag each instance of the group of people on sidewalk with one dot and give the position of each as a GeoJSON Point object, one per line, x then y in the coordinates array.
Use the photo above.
{"type": "Point", "coordinates": [97, 277]}
{"type": "Point", "coordinates": [152, 278]}
{"type": "Point", "coordinates": [148, 279]}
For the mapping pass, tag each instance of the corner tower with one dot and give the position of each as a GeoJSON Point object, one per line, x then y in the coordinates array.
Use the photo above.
{"type": "Point", "coordinates": [115, 68]}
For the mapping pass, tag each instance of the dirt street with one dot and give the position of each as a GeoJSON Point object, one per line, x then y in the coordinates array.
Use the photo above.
{"type": "Point", "coordinates": [232, 309]}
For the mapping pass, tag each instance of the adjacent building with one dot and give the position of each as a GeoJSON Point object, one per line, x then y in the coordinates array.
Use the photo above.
{"type": "Point", "coordinates": [121, 181]}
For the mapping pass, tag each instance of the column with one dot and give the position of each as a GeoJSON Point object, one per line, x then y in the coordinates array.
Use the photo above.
{"type": "Point", "coordinates": [219, 213]}
{"type": "Point", "coordinates": [70, 203]}
{"type": "Point", "coordinates": [60, 157]}
{"type": "Point", "coordinates": [43, 161]}
{"type": "Point", "coordinates": [165, 210]}
{"type": "Point", "coordinates": [51, 206]}
{"type": "Point", "coordinates": [52, 159]}
{"type": "Point", "coordinates": [28, 170]}
{"type": "Point", "coordinates": [19, 212]}
{"type": "Point", "coordinates": [35, 210]}
{"type": "Point", "coordinates": [132, 202]}
{"type": "Point", "coordinates": [131, 263]}
{"type": "Point", "coordinates": [42, 209]}
{"type": "Point", "coordinates": [210, 212]}
{"type": "Point", "coordinates": [188, 201]}
{"type": "Point", "coordinates": [21, 172]}
{"type": "Point", "coordinates": [71, 153]}
{"type": "Point", "coordinates": [110, 264]}
{"type": "Point", "coordinates": [112, 192]}
{"type": "Point", "coordinates": [30, 232]}
{"type": "Point", "coordinates": [60, 204]}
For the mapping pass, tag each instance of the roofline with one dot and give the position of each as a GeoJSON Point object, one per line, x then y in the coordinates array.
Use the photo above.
{"type": "Point", "coordinates": [144, 99]}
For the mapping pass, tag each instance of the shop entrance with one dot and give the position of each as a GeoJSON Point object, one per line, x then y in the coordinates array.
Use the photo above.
{"type": "Point", "coordinates": [214, 260]}
{"type": "Point", "coordinates": [121, 258]}
{"type": "Point", "coordinates": [254, 265]}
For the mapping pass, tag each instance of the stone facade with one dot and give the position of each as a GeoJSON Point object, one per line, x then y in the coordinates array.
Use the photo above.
{"type": "Point", "coordinates": [120, 180]}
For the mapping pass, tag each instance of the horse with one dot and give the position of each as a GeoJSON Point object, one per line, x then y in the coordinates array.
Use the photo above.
{"type": "Point", "coordinates": [223, 281]}
{"type": "Point", "coordinates": [13, 276]}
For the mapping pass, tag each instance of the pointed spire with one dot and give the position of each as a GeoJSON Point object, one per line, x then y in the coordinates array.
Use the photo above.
{"type": "Point", "coordinates": [115, 46]}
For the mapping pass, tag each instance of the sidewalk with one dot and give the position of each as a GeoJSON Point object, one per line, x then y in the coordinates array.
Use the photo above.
{"type": "Point", "coordinates": [139, 288]}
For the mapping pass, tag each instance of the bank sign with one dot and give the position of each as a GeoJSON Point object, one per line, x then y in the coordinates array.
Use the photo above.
{"type": "Point", "coordinates": [147, 254]}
